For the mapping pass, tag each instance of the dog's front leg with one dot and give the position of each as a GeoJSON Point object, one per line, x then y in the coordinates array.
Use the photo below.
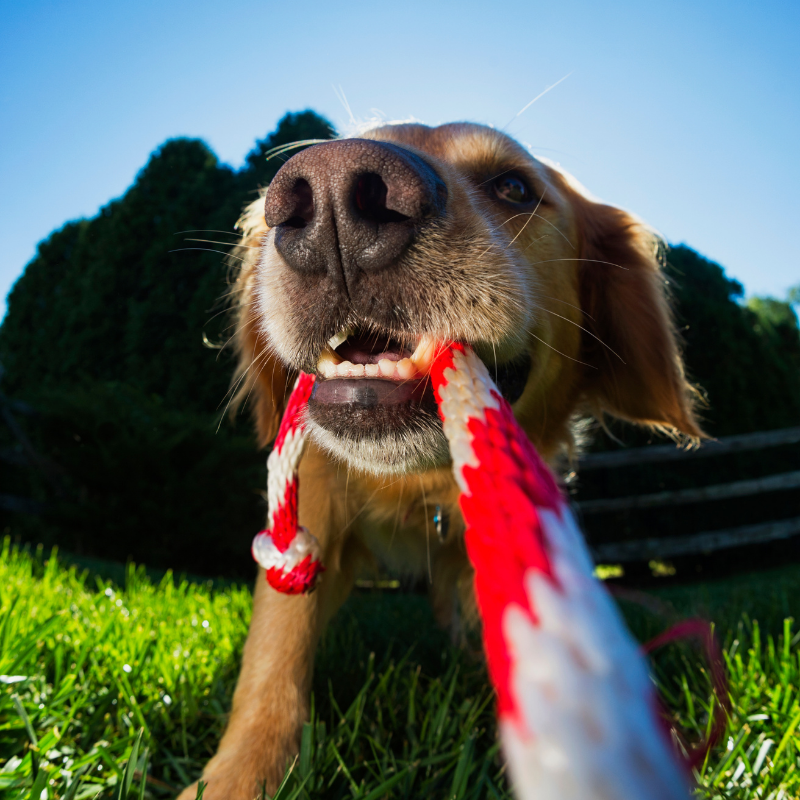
{"type": "Point", "coordinates": [271, 699]}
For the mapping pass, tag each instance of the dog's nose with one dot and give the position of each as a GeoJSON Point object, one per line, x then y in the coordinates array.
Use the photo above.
{"type": "Point", "coordinates": [351, 207]}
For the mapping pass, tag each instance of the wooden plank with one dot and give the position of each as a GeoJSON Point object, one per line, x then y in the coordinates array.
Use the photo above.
{"type": "Point", "coordinates": [708, 542]}
{"type": "Point", "coordinates": [721, 491]}
{"type": "Point", "coordinates": [670, 452]}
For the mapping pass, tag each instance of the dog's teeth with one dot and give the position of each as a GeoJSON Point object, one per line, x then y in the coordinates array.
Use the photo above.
{"type": "Point", "coordinates": [338, 338]}
{"type": "Point", "coordinates": [349, 370]}
{"type": "Point", "coordinates": [371, 370]}
{"type": "Point", "coordinates": [326, 369]}
{"type": "Point", "coordinates": [386, 367]}
{"type": "Point", "coordinates": [344, 369]}
{"type": "Point", "coordinates": [328, 363]}
{"type": "Point", "coordinates": [406, 368]}
{"type": "Point", "coordinates": [423, 355]}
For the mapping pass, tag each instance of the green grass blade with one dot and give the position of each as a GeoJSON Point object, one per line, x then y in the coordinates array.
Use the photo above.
{"type": "Point", "coordinates": [38, 786]}
{"type": "Point", "coordinates": [127, 777]}
{"type": "Point", "coordinates": [143, 779]}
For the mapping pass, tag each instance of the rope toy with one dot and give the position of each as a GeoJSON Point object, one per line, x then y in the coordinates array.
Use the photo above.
{"type": "Point", "coordinates": [578, 715]}
{"type": "Point", "coordinates": [289, 554]}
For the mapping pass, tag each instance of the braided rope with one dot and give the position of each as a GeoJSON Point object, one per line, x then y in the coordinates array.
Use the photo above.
{"type": "Point", "coordinates": [289, 554]}
{"type": "Point", "coordinates": [577, 711]}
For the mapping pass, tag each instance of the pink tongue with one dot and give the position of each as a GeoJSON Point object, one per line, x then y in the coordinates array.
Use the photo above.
{"type": "Point", "coordinates": [358, 352]}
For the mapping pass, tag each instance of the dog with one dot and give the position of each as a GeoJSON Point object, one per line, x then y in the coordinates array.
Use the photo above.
{"type": "Point", "coordinates": [361, 255]}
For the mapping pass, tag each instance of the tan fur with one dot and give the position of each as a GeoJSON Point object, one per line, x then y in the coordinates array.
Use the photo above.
{"type": "Point", "coordinates": [578, 285]}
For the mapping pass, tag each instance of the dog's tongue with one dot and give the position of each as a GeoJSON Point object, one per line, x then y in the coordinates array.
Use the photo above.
{"type": "Point", "coordinates": [370, 349]}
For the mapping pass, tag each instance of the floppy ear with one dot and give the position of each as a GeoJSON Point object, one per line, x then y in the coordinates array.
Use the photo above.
{"type": "Point", "coordinates": [624, 296]}
{"type": "Point", "coordinates": [260, 378]}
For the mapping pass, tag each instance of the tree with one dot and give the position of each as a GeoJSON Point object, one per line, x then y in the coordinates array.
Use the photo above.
{"type": "Point", "coordinates": [104, 338]}
{"type": "Point", "coordinates": [743, 356]}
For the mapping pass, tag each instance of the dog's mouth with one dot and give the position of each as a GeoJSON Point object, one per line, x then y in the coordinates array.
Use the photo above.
{"type": "Point", "coordinates": [371, 369]}
{"type": "Point", "coordinates": [373, 403]}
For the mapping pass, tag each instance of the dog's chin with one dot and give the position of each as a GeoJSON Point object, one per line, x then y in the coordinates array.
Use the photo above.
{"type": "Point", "coordinates": [380, 440]}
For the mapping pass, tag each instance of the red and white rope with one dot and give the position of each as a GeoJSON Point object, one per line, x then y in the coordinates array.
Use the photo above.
{"type": "Point", "coordinates": [577, 711]}
{"type": "Point", "coordinates": [289, 554]}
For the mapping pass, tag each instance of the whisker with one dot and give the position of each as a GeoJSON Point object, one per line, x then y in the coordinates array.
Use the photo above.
{"type": "Point", "coordinates": [340, 95]}
{"type": "Point", "coordinates": [397, 516]}
{"type": "Point", "coordinates": [559, 300]}
{"type": "Point", "coordinates": [532, 215]}
{"type": "Point", "coordinates": [538, 96]}
{"type": "Point", "coordinates": [546, 344]}
{"type": "Point", "coordinates": [208, 230]}
{"type": "Point", "coordinates": [572, 322]}
{"type": "Point", "coordinates": [206, 250]}
{"type": "Point", "coordinates": [544, 219]}
{"type": "Point", "coordinates": [346, 487]}
{"type": "Point", "coordinates": [280, 149]}
{"type": "Point", "coordinates": [364, 506]}
{"type": "Point", "coordinates": [427, 531]}
{"type": "Point", "coordinates": [235, 387]}
{"type": "Point", "coordinates": [495, 177]}
{"type": "Point", "coordinates": [232, 244]}
{"type": "Point", "coordinates": [594, 260]}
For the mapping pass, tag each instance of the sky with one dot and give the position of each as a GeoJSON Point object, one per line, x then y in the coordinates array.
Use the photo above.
{"type": "Point", "coordinates": [687, 113]}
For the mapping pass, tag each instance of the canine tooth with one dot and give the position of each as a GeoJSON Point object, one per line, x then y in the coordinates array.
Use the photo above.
{"type": "Point", "coordinates": [371, 370]}
{"type": "Point", "coordinates": [386, 366]}
{"type": "Point", "coordinates": [405, 368]}
{"type": "Point", "coordinates": [338, 338]}
{"type": "Point", "coordinates": [327, 369]}
{"type": "Point", "coordinates": [327, 363]}
{"type": "Point", "coordinates": [423, 355]}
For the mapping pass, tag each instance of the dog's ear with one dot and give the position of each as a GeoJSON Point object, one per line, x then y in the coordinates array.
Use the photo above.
{"type": "Point", "coordinates": [260, 379]}
{"type": "Point", "coordinates": [638, 372]}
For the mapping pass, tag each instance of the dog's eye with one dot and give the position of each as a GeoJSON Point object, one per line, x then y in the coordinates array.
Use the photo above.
{"type": "Point", "coordinates": [512, 189]}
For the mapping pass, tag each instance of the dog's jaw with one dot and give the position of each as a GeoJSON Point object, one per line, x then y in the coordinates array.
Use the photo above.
{"type": "Point", "coordinates": [400, 451]}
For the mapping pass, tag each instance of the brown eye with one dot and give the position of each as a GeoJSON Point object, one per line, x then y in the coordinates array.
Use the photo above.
{"type": "Point", "coordinates": [512, 189]}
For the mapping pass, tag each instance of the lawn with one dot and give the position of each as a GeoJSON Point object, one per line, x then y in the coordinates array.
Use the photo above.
{"type": "Point", "coordinates": [92, 672]}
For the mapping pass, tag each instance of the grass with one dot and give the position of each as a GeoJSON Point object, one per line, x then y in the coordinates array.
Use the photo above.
{"type": "Point", "coordinates": [121, 691]}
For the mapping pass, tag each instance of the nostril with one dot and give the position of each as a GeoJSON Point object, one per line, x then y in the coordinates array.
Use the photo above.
{"type": "Point", "coordinates": [370, 200]}
{"type": "Point", "coordinates": [303, 211]}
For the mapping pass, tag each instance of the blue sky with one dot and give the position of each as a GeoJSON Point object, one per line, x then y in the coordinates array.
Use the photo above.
{"type": "Point", "coordinates": [687, 113]}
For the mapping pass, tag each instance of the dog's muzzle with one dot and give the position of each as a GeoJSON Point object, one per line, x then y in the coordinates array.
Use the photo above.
{"type": "Point", "coordinates": [350, 207]}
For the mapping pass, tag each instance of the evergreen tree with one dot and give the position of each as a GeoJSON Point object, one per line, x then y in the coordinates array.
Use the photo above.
{"type": "Point", "coordinates": [104, 338]}
{"type": "Point", "coordinates": [744, 357]}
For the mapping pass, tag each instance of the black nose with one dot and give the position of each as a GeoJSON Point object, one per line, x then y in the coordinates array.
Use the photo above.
{"type": "Point", "coordinates": [352, 206]}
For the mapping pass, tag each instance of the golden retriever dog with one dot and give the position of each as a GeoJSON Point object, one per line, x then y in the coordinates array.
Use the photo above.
{"type": "Point", "coordinates": [364, 251]}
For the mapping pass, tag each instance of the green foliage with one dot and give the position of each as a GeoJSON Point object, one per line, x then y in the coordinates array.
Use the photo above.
{"type": "Point", "coordinates": [92, 666]}
{"type": "Point", "coordinates": [261, 165]}
{"type": "Point", "coordinates": [87, 666]}
{"type": "Point", "coordinates": [745, 358]}
{"type": "Point", "coordinates": [144, 481]}
{"type": "Point", "coordinates": [105, 299]}
{"type": "Point", "coordinates": [116, 298]}
{"type": "Point", "coordinates": [104, 338]}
